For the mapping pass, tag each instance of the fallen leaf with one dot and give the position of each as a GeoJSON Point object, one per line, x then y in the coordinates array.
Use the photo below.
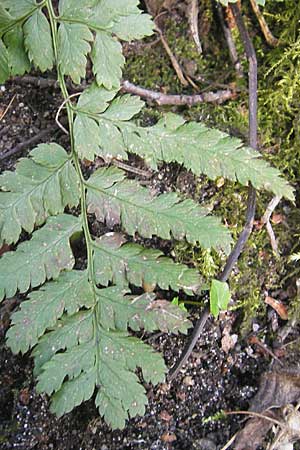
{"type": "Point", "coordinates": [277, 218]}
{"type": "Point", "coordinates": [164, 415]}
{"type": "Point", "coordinates": [188, 381]}
{"type": "Point", "coordinates": [276, 390]}
{"type": "Point", "coordinates": [278, 306]}
{"type": "Point", "coordinates": [228, 342]}
{"type": "Point", "coordinates": [169, 437]}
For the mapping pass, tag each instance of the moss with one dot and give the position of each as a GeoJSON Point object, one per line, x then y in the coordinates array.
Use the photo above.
{"type": "Point", "coordinates": [279, 135]}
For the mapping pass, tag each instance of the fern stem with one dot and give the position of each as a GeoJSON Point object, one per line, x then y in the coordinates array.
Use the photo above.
{"type": "Point", "coordinates": [251, 201]}
{"type": "Point", "coordinates": [75, 159]}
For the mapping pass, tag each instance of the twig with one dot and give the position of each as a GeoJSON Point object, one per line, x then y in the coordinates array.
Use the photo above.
{"type": "Point", "coordinates": [228, 444]}
{"type": "Point", "coordinates": [266, 221]}
{"type": "Point", "coordinates": [218, 97]}
{"type": "Point", "coordinates": [33, 140]}
{"type": "Point", "coordinates": [255, 414]}
{"type": "Point", "coordinates": [251, 202]}
{"type": "Point", "coordinates": [172, 57]}
{"type": "Point", "coordinates": [230, 42]}
{"type": "Point", "coordinates": [193, 12]}
{"type": "Point", "coordinates": [45, 83]}
{"type": "Point", "coordinates": [169, 99]}
{"type": "Point", "coordinates": [254, 340]}
{"type": "Point", "coordinates": [7, 108]}
{"type": "Point", "coordinates": [60, 109]}
{"type": "Point", "coordinates": [135, 170]}
{"type": "Point", "coordinates": [271, 40]}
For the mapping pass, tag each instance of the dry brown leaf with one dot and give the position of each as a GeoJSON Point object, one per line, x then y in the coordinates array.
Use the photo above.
{"type": "Point", "coordinates": [168, 437]}
{"type": "Point", "coordinates": [278, 306]}
{"type": "Point", "coordinates": [164, 415]}
{"type": "Point", "coordinates": [277, 218]}
{"type": "Point", "coordinates": [276, 390]}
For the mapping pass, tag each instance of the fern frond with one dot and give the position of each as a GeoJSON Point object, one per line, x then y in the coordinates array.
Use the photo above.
{"type": "Point", "coordinates": [118, 311]}
{"type": "Point", "coordinates": [135, 264]}
{"type": "Point", "coordinates": [198, 148]}
{"type": "Point", "coordinates": [68, 332]}
{"type": "Point", "coordinates": [106, 19]}
{"type": "Point", "coordinates": [41, 185]}
{"type": "Point", "coordinates": [41, 258]}
{"type": "Point", "coordinates": [45, 306]}
{"type": "Point", "coordinates": [116, 200]}
{"type": "Point", "coordinates": [203, 151]}
{"type": "Point", "coordinates": [108, 364]}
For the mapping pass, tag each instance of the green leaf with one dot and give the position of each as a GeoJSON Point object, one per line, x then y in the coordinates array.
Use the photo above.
{"type": "Point", "coordinates": [261, 2]}
{"type": "Point", "coordinates": [95, 99]}
{"type": "Point", "coordinates": [126, 202]}
{"type": "Point", "coordinates": [6, 19]}
{"type": "Point", "coordinates": [73, 46]}
{"type": "Point", "coordinates": [38, 41]}
{"type": "Point", "coordinates": [132, 263]}
{"type": "Point", "coordinates": [135, 26]}
{"type": "Point", "coordinates": [111, 141]}
{"type": "Point", "coordinates": [41, 185]}
{"type": "Point", "coordinates": [4, 67]}
{"type": "Point", "coordinates": [20, 8]}
{"type": "Point", "coordinates": [118, 311]}
{"type": "Point", "coordinates": [69, 293]}
{"type": "Point", "coordinates": [71, 9]}
{"type": "Point", "coordinates": [41, 258]}
{"type": "Point", "coordinates": [203, 150]}
{"type": "Point", "coordinates": [86, 136]}
{"type": "Point", "coordinates": [107, 364]}
{"type": "Point", "coordinates": [69, 331]}
{"type": "Point", "coordinates": [17, 58]}
{"type": "Point", "coordinates": [123, 108]}
{"type": "Point", "coordinates": [107, 60]}
{"type": "Point", "coordinates": [219, 297]}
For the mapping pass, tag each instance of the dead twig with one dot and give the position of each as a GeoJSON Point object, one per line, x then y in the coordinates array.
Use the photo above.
{"type": "Point", "coordinates": [7, 108]}
{"type": "Point", "coordinates": [192, 13]}
{"type": "Point", "coordinates": [255, 341]}
{"type": "Point", "coordinates": [135, 170]}
{"type": "Point", "coordinates": [265, 220]}
{"type": "Point", "coordinates": [60, 109]}
{"type": "Point", "coordinates": [271, 40]}
{"type": "Point", "coordinates": [169, 99]}
{"type": "Point", "coordinates": [255, 414]}
{"type": "Point", "coordinates": [230, 42]}
{"type": "Point", "coordinates": [159, 98]}
{"type": "Point", "coordinates": [172, 57]}
{"type": "Point", "coordinates": [251, 201]}
{"type": "Point", "coordinates": [33, 140]}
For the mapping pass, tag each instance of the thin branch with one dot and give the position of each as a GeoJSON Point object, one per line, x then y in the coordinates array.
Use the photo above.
{"type": "Point", "coordinates": [193, 12]}
{"type": "Point", "coordinates": [271, 40]}
{"type": "Point", "coordinates": [135, 170]}
{"type": "Point", "coordinates": [7, 108]}
{"type": "Point", "coordinates": [33, 140]}
{"type": "Point", "coordinates": [60, 109]}
{"type": "Point", "coordinates": [159, 98]}
{"type": "Point", "coordinates": [230, 42]}
{"type": "Point", "coordinates": [251, 202]}
{"type": "Point", "coordinates": [172, 57]}
{"type": "Point", "coordinates": [255, 414]}
{"type": "Point", "coordinates": [169, 99]}
{"type": "Point", "coordinates": [266, 221]}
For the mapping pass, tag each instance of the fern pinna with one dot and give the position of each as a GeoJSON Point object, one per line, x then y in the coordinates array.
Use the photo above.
{"type": "Point", "coordinates": [77, 321]}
